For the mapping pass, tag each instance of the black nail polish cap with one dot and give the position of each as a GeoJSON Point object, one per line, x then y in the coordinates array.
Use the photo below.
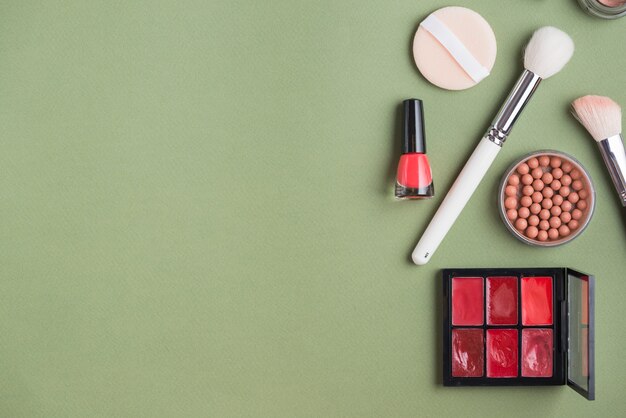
{"type": "Point", "coordinates": [414, 134]}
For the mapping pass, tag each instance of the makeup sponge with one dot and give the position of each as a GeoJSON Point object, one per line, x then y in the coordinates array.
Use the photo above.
{"type": "Point", "coordinates": [454, 48]}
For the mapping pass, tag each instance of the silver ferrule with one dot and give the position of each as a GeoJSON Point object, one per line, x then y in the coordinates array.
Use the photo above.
{"type": "Point", "coordinates": [509, 112]}
{"type": "Point", "coordinates": [614, 155]}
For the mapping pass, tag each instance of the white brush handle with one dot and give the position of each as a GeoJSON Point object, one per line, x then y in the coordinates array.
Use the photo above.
{"type": "Point", "coordinates": [454, 202]}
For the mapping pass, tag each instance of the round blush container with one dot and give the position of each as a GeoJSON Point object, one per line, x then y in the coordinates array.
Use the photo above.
{"type": "Point", "coordinates": [454, 48]}
{"type": "Point", "coordinates": [563, 198]}
{"type": "Point", "coordinates": [606, 9]}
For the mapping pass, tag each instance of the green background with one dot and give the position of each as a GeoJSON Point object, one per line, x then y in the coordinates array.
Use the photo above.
{"type": "Point", "coordinates": [196, 211]}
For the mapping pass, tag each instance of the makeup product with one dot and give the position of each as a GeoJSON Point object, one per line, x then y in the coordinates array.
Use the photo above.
{"type": "Point", "coordinates": [606, 9]}
{"type": "Point", "coordinates": [547, 52]}
{"type": "Point", "coordinates": [519, 327]}
{"type": "Point", "coordinates": [602, 118]}
{"type": "Point", "coordinates": [414, 179]}
{"type": "Point", "coordinates": [454, 48]}
{"type": "Point", "coordinates": [546, 198]}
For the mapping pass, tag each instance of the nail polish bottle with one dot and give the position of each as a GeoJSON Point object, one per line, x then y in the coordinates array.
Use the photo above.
{"type": "Point", "coordinates": [414, 179]}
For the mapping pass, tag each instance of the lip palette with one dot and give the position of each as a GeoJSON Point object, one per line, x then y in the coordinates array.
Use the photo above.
{"type": "Point", "coordinates": [508, 327]}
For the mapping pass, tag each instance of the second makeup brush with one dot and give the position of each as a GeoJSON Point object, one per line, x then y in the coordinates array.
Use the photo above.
{"type": "Point", "coordinates": [602, 117]}
{"type": "Point", "coordinates": [546, 54]}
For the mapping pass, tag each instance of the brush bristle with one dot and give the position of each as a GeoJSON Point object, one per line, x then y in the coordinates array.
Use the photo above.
{"type": "Point", "coordinates": [601, 116]}
{"type": "Point", "coordinates": [548, 51]}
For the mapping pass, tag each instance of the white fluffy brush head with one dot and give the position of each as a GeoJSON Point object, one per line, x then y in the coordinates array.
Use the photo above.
{"type": "Point", "coordinates": [601, 116]}
{"type": "Point", "coordinates": [548, 51]}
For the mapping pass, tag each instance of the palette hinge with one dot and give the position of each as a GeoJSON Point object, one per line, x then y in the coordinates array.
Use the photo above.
{"type": "Point", "coordinates": [563, 339]}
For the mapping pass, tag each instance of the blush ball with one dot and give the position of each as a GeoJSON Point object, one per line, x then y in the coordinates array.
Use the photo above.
{"type": "Point", "coordinates": [523, 212]}
{"type": "Point", "coordinates": [555, 222]}
{"type": "Point", "coordinates": [573, 197]}
{"type": "Point", "coordinates": [511, 214]}
{"type": "Point", "coordinates": [566, 167]}
{"type": "Point", "coordinates": [531, 232]}
{"type": "Point", "coordinates": [547, 178]}
{"type": "Point", "coordinates": [567, 206]}
{"type": "Point", "coordinates": [535, 208]}
{"type": "Point", "coordinates": [566, 180]}
{"type": "Point", "coordinates": [523, 168]}
{"type": "Point", "coordinates": [553, 233]}
{"type": "Point", "coordinates": [510, 190]}
{"type": "Point", "coordinates": [527, 190]}
{"type": "Point", "coordinates": [547, 203]}
{"type": "Point", "coordinates": [547, 192]}
{"type": "Point", "coordinates": [542, 235]}
{"type": "Point", "coordinates": [510, 203]}
{"type": "Point", "coordinates": [514, 180]}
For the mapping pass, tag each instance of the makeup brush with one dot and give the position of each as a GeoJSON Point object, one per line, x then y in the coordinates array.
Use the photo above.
{"type": "Point", "coordinates": [602, 117]}
{"type": "Point", "coordinates": [547, 52]}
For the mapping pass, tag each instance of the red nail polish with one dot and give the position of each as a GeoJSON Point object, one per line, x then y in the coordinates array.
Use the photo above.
{"type": "Point", "coordinates": [414, 179]}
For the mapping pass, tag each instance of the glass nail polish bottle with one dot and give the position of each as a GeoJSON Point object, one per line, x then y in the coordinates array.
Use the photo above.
{"type": "Point", "coordinates": [414, 179]}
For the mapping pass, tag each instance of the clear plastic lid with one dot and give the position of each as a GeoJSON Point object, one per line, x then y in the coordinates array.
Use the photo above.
{"type": "Point", "coordinates": [580, 333]}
